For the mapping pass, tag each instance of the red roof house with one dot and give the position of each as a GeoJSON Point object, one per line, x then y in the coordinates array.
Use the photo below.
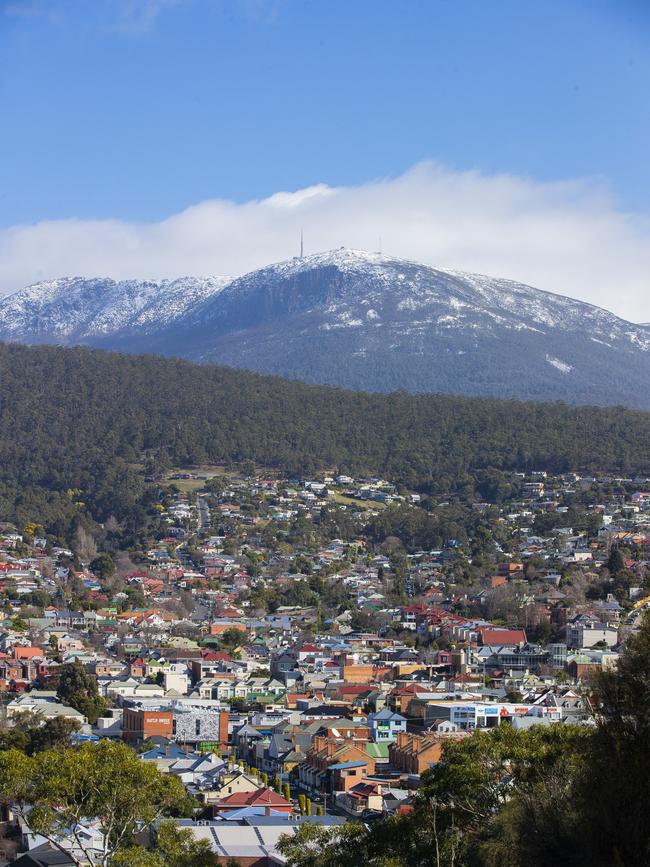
{"type": "Point", "coordinates": [497, 637]}
{"type": "Point", "coordinates": [264, 797]}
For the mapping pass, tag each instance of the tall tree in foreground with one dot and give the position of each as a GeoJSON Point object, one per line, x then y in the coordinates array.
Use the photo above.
{"type": "Point", "coordinates": [597, 812]}
{"type": "Point", "coordinates": [616, 790]}
{"type": "Point", "coordinates": [174, 848]}
{"type": "Point", "coordinates": [57, 790]}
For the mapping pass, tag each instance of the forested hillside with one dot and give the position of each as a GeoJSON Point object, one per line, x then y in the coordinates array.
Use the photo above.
{"type": "Point", "coordinates": [86, 426]}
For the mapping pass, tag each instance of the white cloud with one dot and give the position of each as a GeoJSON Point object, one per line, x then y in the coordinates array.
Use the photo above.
{"type": "Point", "coordinates": [126, 17]}
{"type": "Point", "coordinates": [138, 16]}
{"type": "Point", "coordinates": [132, 17]}
{"type": "Point", "coordinates": [567, 237]}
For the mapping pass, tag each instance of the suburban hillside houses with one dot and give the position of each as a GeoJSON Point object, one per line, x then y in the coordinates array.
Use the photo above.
{"type": "Point", "coordinates": [293, 651]}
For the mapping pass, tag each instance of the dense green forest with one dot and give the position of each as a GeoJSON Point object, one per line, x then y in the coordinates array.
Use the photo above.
{"type": "Point", "coordinates": [84, 430]}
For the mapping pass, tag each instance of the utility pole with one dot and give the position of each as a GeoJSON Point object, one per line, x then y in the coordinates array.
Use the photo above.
{"type": "Point", "coordinates": [4, 701]}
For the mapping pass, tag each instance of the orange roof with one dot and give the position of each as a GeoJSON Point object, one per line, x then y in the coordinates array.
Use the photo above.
{"type": "Point", "coordinates": [503, 636]}
{"type": "Point", "coordinates": [27, 652]}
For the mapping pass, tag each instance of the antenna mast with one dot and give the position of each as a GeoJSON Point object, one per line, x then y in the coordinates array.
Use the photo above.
{"type": "Point", "coordinates": [302, 246]}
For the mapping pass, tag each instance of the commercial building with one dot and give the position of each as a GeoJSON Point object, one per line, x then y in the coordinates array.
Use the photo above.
{"type": "Point", "coordinates": [191, 721]}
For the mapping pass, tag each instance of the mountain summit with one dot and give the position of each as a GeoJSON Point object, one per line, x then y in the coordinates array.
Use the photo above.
{"type": "Point", "coordinates": [359, 320]}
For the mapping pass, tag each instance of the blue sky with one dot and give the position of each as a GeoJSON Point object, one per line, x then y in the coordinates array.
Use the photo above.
{"type": "Point", "coordinates": [137, 108]}
{"type": "Point", "coordinates": [529, 122]}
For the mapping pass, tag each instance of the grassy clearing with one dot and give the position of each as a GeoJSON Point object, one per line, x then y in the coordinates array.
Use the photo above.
{"type": "Point", "coordinates": [186, 485]}
{"type": "Point", "coordinates": [359, 504]}
{"type": "Point", "coordinates": [189, 485]}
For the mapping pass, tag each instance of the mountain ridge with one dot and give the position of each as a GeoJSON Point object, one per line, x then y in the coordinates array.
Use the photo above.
{"type": "Point", "coordinates": [133, 304]}
{"type": "Point", "coordinates": [357, 320]}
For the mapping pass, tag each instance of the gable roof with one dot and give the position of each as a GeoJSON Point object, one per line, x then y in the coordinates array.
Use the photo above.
{"type": "Point", "coordinates": [263, 797]}
{"type": "Point", "coordinates": [387, 714]}
{"type": "Point", "coordinates": [497, 637]}
{"type": "Point", "coordinates": [44, 856]}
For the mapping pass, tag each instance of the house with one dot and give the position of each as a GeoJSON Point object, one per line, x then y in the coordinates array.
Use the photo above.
{"type": "Point", "coordinates": [45, 856]}
{"type": "Point", "coordinates": [108, 667]}
{"type": "Point", "coordinates": [75, 844]}
{"type": "Point", "coordinates": [346, 775]}
{"type": "Point", "coordinates": [363, 798]}
{"type": "Point", "coordinates": [519, 657]}
{"type": "Point", "coordinates": [385, 724]}
{"type": "Point", "coordinates": [218, 627]}
{"type": "Point", "coordinates": [400, 696]}
{"type": "Point", "coordinates": [283, 663]}
{"type": "Point", "coordinates": [46, 705]}
{"type": "Point", "coordinates": [176, 678]}
{"type": "Point", "coordinates": [583, 632]}
{"type": "Point", "coordinates": [231, 783]}
{"type": "Point", "coordinates": [413, 753]}
{"type": "Point", "coordinates": [315, 772]}
{"type": "Point", "coordinates": [128, 687]}
{"type": "Point", "coordinates": [496, 637]}
{"type": "Point", "coordinates": [261, 799]}
{"type": "Point", "coordinates": [250, 840]}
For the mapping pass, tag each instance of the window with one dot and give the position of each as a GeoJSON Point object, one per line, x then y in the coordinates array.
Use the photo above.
{"type": "Point", "coordinates": [197, 727]}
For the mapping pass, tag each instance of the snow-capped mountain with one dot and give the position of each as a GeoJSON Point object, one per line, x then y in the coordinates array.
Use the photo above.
{"type": "Point", "coordinates": [76, 309]}
{"type": "Point", "coordinates": [359, 320]}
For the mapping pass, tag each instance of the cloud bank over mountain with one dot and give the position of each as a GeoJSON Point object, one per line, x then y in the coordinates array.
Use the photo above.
{"type": "Point", "coordinates": [567, 236]}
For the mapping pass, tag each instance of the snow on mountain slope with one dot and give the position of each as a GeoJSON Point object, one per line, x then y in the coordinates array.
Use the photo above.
{"type": "Point", "coordinates": [76, 308]}
{"type": "Point", "coordinates": [359, 320]}
{"type": "Point", "coordinates": [355, 289]}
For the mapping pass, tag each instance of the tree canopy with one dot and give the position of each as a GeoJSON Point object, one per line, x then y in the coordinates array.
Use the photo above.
{"type": "Point", "coordinates": [105, 783]}
{"type": "Point", "coordinates": [174, 847]}
{"type": "Point", "coordinates": [78, 688]}
{"type": "Point", "coordinates": [30, 733]}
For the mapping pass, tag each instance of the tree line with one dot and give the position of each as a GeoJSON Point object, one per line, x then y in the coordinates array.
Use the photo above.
{"type": "Point", "coordinates": [87, 431]}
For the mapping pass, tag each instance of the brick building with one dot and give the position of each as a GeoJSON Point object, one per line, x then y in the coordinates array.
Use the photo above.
{"type": "Point", "coordinates": [413, 753]}
{"type": "Point", "coordinates": [139, 724]}
{"type": "Point", "coordinates": [188, 721]}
